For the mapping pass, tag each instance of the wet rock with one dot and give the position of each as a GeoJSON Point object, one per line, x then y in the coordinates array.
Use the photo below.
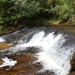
{"type": "Point", "coordinates": [1, 62]}
{"type": "Point", "coordinates": [4, 46]}
{"type": "Point", "coordinates": [45, 73]}
{"type": "Point", "coordinates": [33, 50]}
{"type": "Point", "coordinates": [72, 73]}
{"type": "Point", "coordinates": [73, 63]}
{"type": "Point", "coordinates": [24, 66]}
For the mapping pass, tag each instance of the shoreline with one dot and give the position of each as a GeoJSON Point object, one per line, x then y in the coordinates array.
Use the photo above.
{"type": "Point", "coordinates": [14, 28]}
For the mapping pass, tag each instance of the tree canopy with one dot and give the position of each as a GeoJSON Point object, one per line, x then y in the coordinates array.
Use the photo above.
{"type": "Point", "coordinates": [13, 10]}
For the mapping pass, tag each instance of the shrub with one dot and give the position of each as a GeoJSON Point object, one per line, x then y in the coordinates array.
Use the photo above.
{"type": "Point", "coordinates": [65, 9]}
{"type": "Point", "coordinates": [12, 10]}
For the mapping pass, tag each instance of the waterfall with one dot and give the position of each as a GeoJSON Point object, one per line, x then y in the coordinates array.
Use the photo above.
{"type": "Point", "coordinates": [55, 50]}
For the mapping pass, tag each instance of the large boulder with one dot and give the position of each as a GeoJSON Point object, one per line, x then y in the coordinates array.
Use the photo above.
{"type": "Point", "coordinates": [72, 72]}
{"type": "Point", "coordinates": [73, 62]}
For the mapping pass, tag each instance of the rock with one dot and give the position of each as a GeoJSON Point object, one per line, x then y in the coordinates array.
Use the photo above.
{"type": "Point", "coordinates": [73, 63]}
{"type": "Point", "coordinates": [24, 66]}
{"type": "Point", "coordinates": [4, 46]}
{"type": "Point", "coordinates": [72, 73]}
{"type": "Point", "coordinates": [1, 62]}
{"type": "Point", "coordinates": [32, 50]}
{"type": "Point", "coordinates": [45, 73]}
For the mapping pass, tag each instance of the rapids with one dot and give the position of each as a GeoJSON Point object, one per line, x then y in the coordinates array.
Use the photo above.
{"type": "Point", "coordinates": [55, 48]}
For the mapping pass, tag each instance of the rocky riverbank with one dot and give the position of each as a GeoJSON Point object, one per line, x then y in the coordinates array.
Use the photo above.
{"type": "Point", "coordinates": [24, 66]}
{"type": "Point", "coordinates": [72, 65]}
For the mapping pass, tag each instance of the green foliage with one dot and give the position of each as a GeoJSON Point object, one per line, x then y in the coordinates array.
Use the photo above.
{"type": "Point", "coordinates": [65, 9]}
{"type": "Point", "coordinates": [12, 10]}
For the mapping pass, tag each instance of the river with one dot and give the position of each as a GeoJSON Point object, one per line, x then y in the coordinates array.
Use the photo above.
{"type": "Point", "coordinates": [37, 51]}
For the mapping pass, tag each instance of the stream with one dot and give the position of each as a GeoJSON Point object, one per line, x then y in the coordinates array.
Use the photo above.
{"type": "Point", "coordinates": [37, 51]}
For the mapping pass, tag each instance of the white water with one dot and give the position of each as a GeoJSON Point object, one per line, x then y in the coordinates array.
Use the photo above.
{"type": "Point", "coordinates": [8, 62]}
{"type": "Point", "coordinates": [54, 55]}
{"type": "Point", "coordinates": [1, 39]}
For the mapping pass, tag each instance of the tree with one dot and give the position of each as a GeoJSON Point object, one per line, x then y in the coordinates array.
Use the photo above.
{"type": "Point", "coordinates": [12, 10]}
{"type": "Point", "coordinates": [65, 9]}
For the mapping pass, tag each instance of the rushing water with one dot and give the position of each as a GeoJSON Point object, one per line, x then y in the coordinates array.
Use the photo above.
{"type": "Point", "coordinates": [55, 48]}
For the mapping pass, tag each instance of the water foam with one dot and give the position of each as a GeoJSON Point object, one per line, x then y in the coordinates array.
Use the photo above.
{"type": "Point", "coordinates": [8, 62]}
{"type": "Point", "coordinates": [1, 39]}
{"type": "Point", "coordinates": [53, 55]}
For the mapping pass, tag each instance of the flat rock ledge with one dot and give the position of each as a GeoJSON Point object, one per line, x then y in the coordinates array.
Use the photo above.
{"type": "Point", "coordinates": [4, 46]}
